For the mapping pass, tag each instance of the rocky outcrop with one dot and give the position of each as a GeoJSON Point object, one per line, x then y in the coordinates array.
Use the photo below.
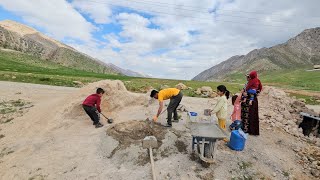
{"type": "Point", "coordinates": [181, 86]}
{"type": "Point", "coordinates": [206, 91]}
{"type": "Point", "coordinates": [300, 51]}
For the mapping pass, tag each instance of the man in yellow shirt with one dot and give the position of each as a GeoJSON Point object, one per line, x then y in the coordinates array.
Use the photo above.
{"type": "Point", "coordinates": [175, 96]}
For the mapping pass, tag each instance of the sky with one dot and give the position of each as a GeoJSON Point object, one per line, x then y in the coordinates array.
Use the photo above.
{"type": "Point", "coordinates": [165, 39]}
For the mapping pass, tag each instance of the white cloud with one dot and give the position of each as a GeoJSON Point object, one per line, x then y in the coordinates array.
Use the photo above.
{"type": "Point", "coordinates": [57, 17]}
{"type": "Point", "coordinates": [100, 13]}
{"type": "Point", "coordinates": [232, 32]}
{"type": "Point", "coordinates": [179, 38]}
{"type": "Point", "coordinates": [136, 28]}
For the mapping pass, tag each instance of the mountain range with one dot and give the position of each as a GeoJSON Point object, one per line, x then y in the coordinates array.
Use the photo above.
{"type": "Point", "coordinates": [301, 51]}
{"type": "Point", "coordinates": [19, 37]}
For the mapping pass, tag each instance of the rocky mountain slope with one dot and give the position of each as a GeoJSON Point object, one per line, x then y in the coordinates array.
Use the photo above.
{"type": "Point", "coordinates": [127, 72]}
{"type": "Point", "coordinates": [22, 38]}
{"type": "Point", "coordinates": [298, 52]}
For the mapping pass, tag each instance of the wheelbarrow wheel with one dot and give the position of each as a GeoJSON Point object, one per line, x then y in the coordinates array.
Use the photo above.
{"type": "Point", "coordinates": [207, 152]}
{"type": "Point", "coordinates": [205, 164]}
{"type": "Point", "coordinates": [198, 147]}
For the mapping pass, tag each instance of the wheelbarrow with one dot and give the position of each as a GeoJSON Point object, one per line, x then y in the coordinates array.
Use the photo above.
{"type": "Point", "coordinates": [204, 141]}
{"type": "Point", "coordinates": [308, 123]}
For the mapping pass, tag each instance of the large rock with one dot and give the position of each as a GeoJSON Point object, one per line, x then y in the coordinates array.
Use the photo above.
{"type": "Point", "coordinates": [206, 90]}
{"type": "Point", "coordinates": [181, 86]}
{"type": "Point", "coordinates": [213, 95]}
{"type": "Point", "coordinates": [198, 91]}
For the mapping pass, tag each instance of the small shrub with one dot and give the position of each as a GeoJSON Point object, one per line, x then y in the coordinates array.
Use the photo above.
{"type": "Point", "coordinates": [286, 174]}
{"type": "Point", "coordinates": [7, 110]}
{"type": "Point", "coordinates": [244, 165]}
{"type": "Point", "coordinates": [8, 120]}
{"type": "Point", "coordinates": [18, 103]}
{"type": "Point", "coordinates": [44, 79]}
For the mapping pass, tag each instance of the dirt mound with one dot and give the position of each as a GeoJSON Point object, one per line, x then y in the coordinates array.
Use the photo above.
{"type": "Point", "coordinates": [310, 157]}
{"type": "Point", "coordinates": [280, 110]}
{"type": "Point", "coordinates": [181, 146]}
{"type": "Point", "coordinates": [116, 97]}
{"type": "Point", "coordinates": [134, 132]}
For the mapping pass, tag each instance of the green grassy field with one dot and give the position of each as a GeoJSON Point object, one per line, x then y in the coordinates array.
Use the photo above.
{"type": "Point", "coordinates": [291, 79]}
{"type": "Point", "coordinates": [20, 67]}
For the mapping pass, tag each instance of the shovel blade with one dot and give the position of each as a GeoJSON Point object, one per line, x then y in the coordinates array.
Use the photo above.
{"type": "Point", "coordinates": [150, 122]}
{"type": "Point", "coordinates": [110, 121]}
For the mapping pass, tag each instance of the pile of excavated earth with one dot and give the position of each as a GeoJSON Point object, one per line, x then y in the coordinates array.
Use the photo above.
{"type": "Point", "coordinates": [279, 110]}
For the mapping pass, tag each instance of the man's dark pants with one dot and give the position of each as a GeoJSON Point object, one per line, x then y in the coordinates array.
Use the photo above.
{"type": "Point", "coordinates": [172, 107]}
{"type": "Point", "coordinates": [92, 113]}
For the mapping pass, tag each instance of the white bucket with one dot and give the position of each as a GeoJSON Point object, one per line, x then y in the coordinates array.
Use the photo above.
{"type": "Point", "coordinates": [192, 116]}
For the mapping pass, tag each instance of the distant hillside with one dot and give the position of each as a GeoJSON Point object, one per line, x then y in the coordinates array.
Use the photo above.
{"type": "Point", "coordinates": [22, 38]}
{"type": "Point", "coordinates": [127, 71]}
{"type": "Point", "coordinates": [302, 51]}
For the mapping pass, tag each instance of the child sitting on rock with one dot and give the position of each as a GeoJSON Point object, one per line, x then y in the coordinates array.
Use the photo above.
{"type": "Point", "coordinates": [236, 114]}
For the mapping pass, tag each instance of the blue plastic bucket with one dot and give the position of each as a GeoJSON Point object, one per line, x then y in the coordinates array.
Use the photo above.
{"type": "Point", "coordinates": [237, 142]}
{"type": "Point", "coordinates": [193, 114]}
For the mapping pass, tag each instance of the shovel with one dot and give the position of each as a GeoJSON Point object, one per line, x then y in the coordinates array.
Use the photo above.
{"type": "Point", "coordinates": [109, 119]}
{"type": "Point", "coordinates": [151, 120]}
{"type": "Point", "coordinates": [150, 142]}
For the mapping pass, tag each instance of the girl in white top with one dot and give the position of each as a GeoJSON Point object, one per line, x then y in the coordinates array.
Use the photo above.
{"type": "Point", "coordinates": [221, 108]}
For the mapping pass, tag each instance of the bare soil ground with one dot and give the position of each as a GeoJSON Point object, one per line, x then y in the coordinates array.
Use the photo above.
{"type": "Point", "coordinates": [304, 92]}
{"type": "Point", "coordinates": [54, 139]}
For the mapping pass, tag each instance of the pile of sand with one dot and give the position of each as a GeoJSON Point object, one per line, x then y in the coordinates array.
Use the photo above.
{"type": "Point", "coordinates": [116, 97]}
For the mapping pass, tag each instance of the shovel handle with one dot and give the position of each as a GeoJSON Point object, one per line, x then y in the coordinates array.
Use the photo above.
{"type": "Point", "coordinates": [152, 164]}
{"type": "Point", "coordinates": [163, 112]}
{"type": "Point", "coordinates": [104, 116]}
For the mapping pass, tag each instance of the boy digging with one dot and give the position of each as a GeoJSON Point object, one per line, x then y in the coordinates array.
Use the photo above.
{"type": "Point", "coordinates": [91, 106]}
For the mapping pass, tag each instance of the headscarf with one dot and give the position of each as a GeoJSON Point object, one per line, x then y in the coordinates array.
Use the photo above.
{"type": "Point", "coordinates": [254, 82]}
